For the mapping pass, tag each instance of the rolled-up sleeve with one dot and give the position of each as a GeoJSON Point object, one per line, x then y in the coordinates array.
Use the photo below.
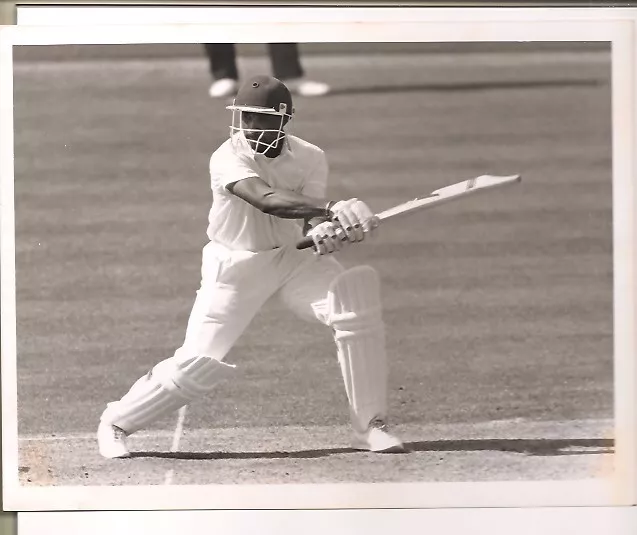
{"type": "Point", "coordinates": [224, 172]}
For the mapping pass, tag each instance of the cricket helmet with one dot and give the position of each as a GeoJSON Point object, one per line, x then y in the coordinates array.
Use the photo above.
{"type": "Point", "coordinates": [261, 94]}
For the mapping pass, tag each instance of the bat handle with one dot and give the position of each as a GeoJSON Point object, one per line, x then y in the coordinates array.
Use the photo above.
{"type": "Point", "coordinates": [308, 242]}
{"type": "Point", "coordinates": [305, 243]}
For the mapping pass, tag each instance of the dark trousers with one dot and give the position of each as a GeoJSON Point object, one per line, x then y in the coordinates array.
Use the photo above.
{"type": "Point", "coordinates": [284, 58]}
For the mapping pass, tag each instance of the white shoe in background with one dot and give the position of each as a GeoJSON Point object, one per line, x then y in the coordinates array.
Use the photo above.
{"type": "Point", "coordinates": [307, 88]}
{"type": "Point", "coordinates": [224, 87]}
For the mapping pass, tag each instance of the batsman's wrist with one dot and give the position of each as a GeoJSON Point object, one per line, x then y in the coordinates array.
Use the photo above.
{"type": "Point", "coordinates": [328, 209]}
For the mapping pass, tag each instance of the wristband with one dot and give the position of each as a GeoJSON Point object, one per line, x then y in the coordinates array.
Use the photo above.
{"type": "Point", "coordinates": [328, 209]}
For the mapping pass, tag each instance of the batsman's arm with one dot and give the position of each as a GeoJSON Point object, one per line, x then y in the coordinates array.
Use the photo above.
{"type": "Point", "coordinates": [280, 203]}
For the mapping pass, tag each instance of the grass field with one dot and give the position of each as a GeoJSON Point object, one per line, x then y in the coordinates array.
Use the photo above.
{"type": "Point", "coordinates": [498, 309]}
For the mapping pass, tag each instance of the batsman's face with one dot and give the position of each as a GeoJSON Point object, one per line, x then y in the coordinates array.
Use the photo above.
{"type": "Point", "coordinates": [265, 132]}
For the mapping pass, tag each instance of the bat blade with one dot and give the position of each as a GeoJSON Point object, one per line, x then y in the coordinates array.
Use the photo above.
{"type": "Point", "coordinates": [450, 193]}
{"type": "Point", "coordinates": [438, 197]}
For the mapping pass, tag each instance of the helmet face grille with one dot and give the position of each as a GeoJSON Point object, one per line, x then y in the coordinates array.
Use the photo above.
{"type": "Point", "coordinates": [258, 138]}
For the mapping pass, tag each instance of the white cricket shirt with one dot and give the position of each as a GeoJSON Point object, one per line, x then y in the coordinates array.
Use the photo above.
{"type": "Point", "coordinates": [301, 167]}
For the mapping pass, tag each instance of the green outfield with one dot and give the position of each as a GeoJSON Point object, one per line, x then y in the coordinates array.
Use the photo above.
{"type": "Point", "coordinates": [498, 308]}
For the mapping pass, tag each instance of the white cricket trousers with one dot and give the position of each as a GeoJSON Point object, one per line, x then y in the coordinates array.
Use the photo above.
{"type": "Point", "coordinates": [234, 286]}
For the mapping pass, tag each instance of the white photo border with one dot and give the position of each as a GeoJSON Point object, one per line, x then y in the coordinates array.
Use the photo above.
{"type": "Point", "coordinates": [309, 24]}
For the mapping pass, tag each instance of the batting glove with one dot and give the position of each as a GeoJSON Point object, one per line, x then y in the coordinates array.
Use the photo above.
{"type": "Point", "coordinates": [327, 237]}
{"type": "Point", "coordinates": [355, 218]}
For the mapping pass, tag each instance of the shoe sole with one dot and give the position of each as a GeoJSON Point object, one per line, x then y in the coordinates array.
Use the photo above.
{"type": "Point", "coordinates": [393, 449]}
{"type": "Point", "coordinates": [123, 455]}
{"type": "Point", "coordinates": [397, 448]}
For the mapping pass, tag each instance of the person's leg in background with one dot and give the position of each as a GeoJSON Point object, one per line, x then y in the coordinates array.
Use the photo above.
{"type": "Point", "coordinates": [223, 69]}
{"type": "Point", "coordinates": [286, 66]}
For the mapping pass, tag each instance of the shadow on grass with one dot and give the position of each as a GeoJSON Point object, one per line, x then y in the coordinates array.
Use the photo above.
{"type": "Point", "coordinates": [463, 86]}
{"type": "Point", "coordinates": [534, 447]}
{"type": "Point", "coordinates": [213, 455]}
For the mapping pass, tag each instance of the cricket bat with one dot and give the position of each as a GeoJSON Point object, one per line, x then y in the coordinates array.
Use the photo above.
{"type": "Point", "coordinates": [438, 197]}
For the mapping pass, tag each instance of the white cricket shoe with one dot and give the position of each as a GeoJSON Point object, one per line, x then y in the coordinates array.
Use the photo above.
{"type": "Point", "coordinates": [307, 88]}
{"type": "Point", "coordinates": [378, 439]}
{"type": "Point", "coordinates": [112, 441]}
{"type": "Point", "coordinates": [224, 87]}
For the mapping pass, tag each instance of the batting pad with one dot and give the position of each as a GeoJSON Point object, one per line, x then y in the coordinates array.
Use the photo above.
{"type": "Point", "coordinates": [169, 386]}
{"type": "Point", "coordinates": [355, 315]}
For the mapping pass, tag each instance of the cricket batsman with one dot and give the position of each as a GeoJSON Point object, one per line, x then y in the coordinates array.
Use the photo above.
{"type": "Point", "coordinates": [269, 192]}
